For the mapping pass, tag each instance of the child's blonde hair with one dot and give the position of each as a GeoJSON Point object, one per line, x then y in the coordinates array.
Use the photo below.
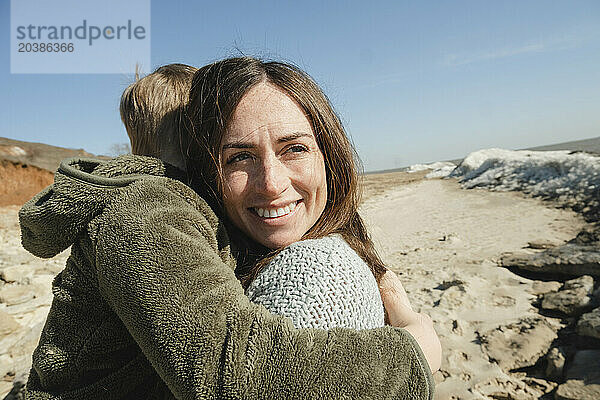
{"type": "Point", "coordinates": [152, 110]}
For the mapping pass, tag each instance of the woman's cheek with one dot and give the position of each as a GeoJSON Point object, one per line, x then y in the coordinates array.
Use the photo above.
{"type": "Point", "coordinates": [236, 182]}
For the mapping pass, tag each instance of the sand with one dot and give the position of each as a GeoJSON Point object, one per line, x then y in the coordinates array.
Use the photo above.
{"type": "Point", "coordinates": [444, 242]}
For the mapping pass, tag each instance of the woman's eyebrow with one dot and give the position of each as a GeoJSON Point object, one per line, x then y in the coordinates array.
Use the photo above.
{"type": "Point", "coordinates": [238, 145]}
{"type": "Point", "coordinates": [293, 136]}
{"type": "Point", "coordinates": [283, 139]}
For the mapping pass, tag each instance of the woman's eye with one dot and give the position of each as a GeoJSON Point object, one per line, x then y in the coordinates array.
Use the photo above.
{"type": "Point", "coordinates": [238, 158]}
{"type": "Point", "coordinates": [297, 148]}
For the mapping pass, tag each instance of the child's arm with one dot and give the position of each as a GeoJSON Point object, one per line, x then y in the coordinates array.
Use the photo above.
{"type": "Point", "coordinates": [320, 283]}
{"type": "Point", "coordinates": [160, 267]}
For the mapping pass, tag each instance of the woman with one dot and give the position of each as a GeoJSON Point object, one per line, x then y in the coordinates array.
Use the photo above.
{"type": "Point", "coordinates": [149, 306]}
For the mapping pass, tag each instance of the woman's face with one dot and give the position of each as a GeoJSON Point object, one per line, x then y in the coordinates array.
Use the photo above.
{"type": "Point", "coordinates": [274, 174]}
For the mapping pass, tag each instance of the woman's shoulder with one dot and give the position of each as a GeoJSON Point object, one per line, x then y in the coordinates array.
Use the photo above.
{"type": "Point", "coordinates": [324, 261]}
{"type": "Point", "coordinates": [327, 247]}
{"type": "Point", "coordinates": [320, 283]}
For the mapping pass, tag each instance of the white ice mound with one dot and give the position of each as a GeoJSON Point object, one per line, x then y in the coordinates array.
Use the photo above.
{"type": "Point", "coordinates": [439, 169]}
{"type": "Point", "coordinates": [549, 174]}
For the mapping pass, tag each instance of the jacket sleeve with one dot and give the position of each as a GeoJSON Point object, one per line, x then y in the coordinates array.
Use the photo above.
{"type": "Point", "coordinates": [160, 267]}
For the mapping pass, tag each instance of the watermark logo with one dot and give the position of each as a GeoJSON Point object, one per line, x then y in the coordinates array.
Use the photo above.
{"type": "Point", "coordinates": [79, 36]}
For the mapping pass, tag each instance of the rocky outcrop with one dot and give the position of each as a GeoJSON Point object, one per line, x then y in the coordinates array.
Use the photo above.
{"type": "Point", "coordinates": [583, 378]}
{"type": "Point", "coordinates": [573, 298]}
{"type": "Point", "coordinates": [555, 363]}
{"type": "Point", "coordinates": [571, 259]}
{"type": "Point", "coordinates": [38, 155]}
{"type": "Point", "coordinates": [26, 168]}
{"type": "Point", "coordinates": [568, 180]}
{"type": "Point", "coordinates": [589, 324]}
{"type": "Point", "coordinates": [541, 287]}
{"type": "Point", "coordinates": [519, 344]}
{"type": "Point", "coordinates": [580, 256]}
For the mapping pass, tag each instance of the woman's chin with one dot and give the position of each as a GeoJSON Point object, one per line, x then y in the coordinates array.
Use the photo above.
{"type": "Point", "coordinates": [274, 234]}
{"type": "Point", "coordinates": [277, 241]}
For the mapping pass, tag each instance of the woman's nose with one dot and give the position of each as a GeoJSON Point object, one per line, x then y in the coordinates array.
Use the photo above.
{"type": "Point", "coordinates": [273, 178]}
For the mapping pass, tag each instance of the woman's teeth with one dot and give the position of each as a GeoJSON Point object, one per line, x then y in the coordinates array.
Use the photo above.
{"type": "Point", "coordinates": [275, 212]}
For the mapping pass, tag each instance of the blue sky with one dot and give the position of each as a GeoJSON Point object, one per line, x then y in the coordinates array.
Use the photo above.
{"type": "Point", "coordinates": [413, 81]}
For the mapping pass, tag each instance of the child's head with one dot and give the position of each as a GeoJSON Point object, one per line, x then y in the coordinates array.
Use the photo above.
{"type": "Point", "coordinates": [152, 109]}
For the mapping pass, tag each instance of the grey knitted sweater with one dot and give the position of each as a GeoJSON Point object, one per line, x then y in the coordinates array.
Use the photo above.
{"type": "Point", "coordinates": [320, 283]}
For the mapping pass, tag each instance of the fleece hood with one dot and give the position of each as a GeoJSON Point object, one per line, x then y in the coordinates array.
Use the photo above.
{"type": "Point", "coordinates": [53, 219]}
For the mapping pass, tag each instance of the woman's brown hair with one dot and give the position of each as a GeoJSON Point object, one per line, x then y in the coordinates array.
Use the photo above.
{"type": "Point", "coordinates": [217, 89]}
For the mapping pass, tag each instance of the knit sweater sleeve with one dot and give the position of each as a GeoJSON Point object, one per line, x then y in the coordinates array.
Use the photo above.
{"type": "Point", "coordinates": [320, 283]}
{"type": "Point", "coordinates": [161, 267]}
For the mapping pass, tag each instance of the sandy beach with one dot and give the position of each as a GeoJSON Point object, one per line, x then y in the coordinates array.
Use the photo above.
{"type": "Point", "coordinates": [445, 242]}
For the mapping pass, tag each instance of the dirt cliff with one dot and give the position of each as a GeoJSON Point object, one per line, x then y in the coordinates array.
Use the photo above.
{"type": "Point", "coordinates": [26, 168]}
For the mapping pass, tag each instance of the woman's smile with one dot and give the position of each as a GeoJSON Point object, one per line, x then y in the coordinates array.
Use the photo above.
{"type": "Point", "coordinates": [275, 212]}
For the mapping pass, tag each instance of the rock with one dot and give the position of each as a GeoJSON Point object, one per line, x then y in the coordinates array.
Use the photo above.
{"type": "Point", "coordinates": [572, 259]}
{"type": "Point", "coordinates": [7, 324]}
{"type": "Point", "coordinates": [589, 324]}
{"type": "Point", "coordinates": [19, 380]}
{"type": "Point", "coordinates": [512, 389]}
{"type": "Point", "coordinates": [43, 284]}
{"type": "Point", "coordinates": [11, 258]}
{"type": "Point", "coordinates": [16, 273]}
{"type": "Point", "coordinates": [573, 298]}
{"type": "Point", "coordinates": [555, 363]}
{"type": "Point", "coordinates": [6, 365]}
{"type": "Point", "coordinates": [540, 385]}
{"type": "Point", "coordinates": [542, 244]}
{"type": "Point", "coordinates": [585, 282]}
{"type": "Point", "coordinates": [16, 294]}
{"type": "Point", "coordinates": [577, 390]}
{"type": "Point", "coordinates": [588, 235]}
{"type": "Point", "coordinates": [541, 287]}
{"type": "Point", "coordinates": [25, 345]}
{"type": "Point", "coordinates": [583, 378]}
{"type": "Point", "coordinates": [570, 302]}
{"type": "Point", "coordinates": [519, 344]}
{"type": "Point", "coordinates": [29, 306]}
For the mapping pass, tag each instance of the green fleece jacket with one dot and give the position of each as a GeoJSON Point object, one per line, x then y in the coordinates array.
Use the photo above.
{"type": "Point", "coordinates": [148, 305]}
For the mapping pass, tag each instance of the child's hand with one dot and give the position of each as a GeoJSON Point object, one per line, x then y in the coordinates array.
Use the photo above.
{"type": "Point", "coordinates": [400, 314]}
